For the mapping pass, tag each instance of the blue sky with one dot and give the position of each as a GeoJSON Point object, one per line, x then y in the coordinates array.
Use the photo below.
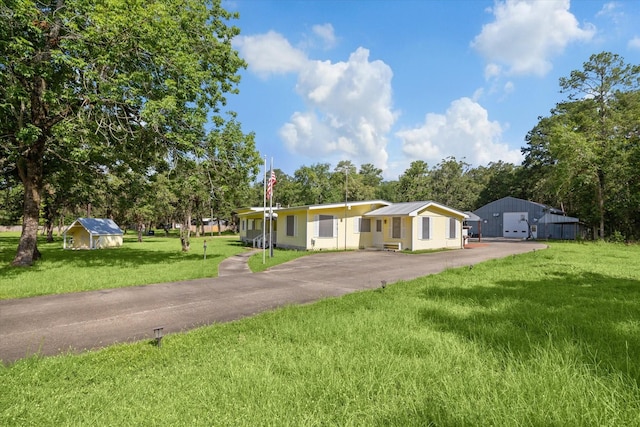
{"type": "Point", "coordinates": [389, 82]}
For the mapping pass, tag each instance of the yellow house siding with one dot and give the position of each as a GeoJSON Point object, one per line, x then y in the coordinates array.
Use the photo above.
{"type": "Point", "coordinates": [108, 241]}
{"type": "Point", "coordinates": [405, 235]}
{"type": "Point", "coordinates": [298, 240]}
{"type": "Point", "coordinates": [343, 233]}
{"type": "Point", "coordinates": [252, 226]}
{"type": "Point", "coordinates": [347, 236]}
{"type": "Point", "coordinates": [81, 238]}
{"type": "Point", "coordinates": [336, 241]}
{"type": "Point", "coordinates": [439, 236]}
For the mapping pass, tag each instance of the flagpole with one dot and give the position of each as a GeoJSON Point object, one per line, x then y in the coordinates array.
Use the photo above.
{"type": "Point", "coordinates": [271, 212]}
{"type": "Point", "coordinates": [264, 211]}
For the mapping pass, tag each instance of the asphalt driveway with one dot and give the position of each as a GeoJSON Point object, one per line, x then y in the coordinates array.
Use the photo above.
{"type": "Point", "coordinates": [78, 322]}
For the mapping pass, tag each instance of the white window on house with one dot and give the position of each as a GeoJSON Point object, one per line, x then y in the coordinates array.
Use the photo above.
{"type": "Point", "coordinates": [243, 224]}
{"type": "Point", "coordinates": [396, 227]}
{"type": "Point", "coordinates": [425, 228]}
{"type": "Point", "coordinates": [379, 225]}
{"type": "Point", "coordinates": [325, 226]}
{"type": "Point", "coordinates": [291, 225]}
{"type": "Point", "coordinates": [453, 228]}
{"type": "Point", "coordinates": [250, 224]}
{"type": "Point", "coordinates": [362, 225]}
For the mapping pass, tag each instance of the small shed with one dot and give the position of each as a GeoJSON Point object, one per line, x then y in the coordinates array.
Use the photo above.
{"type": "Point", "coordinates": [92, 233]}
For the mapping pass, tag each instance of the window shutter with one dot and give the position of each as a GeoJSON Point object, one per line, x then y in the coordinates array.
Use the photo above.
{"type": "Point", "coordinates": [335, 226]}
{"type": "Point", "coordinates": [316, 225]}
{"type": "Point", "coordinates": [425, 229]}
{"type": "Point", "coordinates": [452, 228]}
{"type": "Point", "coordinates": [292, 225]}
{"type": "Point", "coordinates": [357, 224]}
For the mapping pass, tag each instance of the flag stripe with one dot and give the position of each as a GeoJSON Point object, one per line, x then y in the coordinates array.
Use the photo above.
{"type": "Point", "coordinates": [270, 184]}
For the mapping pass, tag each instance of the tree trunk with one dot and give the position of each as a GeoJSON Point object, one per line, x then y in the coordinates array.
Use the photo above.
{"type": "Point", "coordinates": [600, 200]}
{"type": "Point", "coordinates": [30, 170]}
{"type": "Point", "coordinates": [49, 232]}
{"type": "Point", "coordinates": [185, 233]}
{"type": "Point", "coordinates": [49, 219]}
{"type": "Point", "coordinates": [140, 227]}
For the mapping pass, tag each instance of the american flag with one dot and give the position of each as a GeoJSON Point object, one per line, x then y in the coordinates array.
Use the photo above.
{"type": "Point", "coordinates": [270, 184]}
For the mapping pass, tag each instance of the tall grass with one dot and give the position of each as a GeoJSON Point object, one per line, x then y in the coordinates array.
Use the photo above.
{"type": "Point", "coordinates": [545, 338]}
{"type": "Point", "coordinates": [156, 259]}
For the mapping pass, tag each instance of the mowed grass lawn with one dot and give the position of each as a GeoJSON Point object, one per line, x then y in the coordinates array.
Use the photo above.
{"type": "Point", "coordinates": [154, 260]}
{"type": "Point", "coordinates": [548, 338]}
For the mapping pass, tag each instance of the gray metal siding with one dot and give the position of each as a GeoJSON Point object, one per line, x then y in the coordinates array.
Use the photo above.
{"type": "Point", "coordinates": [493, 227]}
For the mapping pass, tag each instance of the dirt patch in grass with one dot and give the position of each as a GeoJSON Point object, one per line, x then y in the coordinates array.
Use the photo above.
{"type": "Point", "coordinates": [475, 245]}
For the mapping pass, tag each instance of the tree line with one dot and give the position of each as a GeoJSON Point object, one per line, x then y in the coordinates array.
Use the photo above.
{"type": "Point", "coordinates": [584, 157]}
{"type": "Point", "coordinates": [117, 110]}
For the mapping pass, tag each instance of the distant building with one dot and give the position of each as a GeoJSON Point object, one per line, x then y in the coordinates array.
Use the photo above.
{"type": "Point", "coordinates": [521, 219]}
{"type": "Point", "coordinates": [92, 233]}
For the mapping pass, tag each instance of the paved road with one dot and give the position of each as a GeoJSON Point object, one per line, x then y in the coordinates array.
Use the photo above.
{"type": "Point", "coordinates": [78, 322]}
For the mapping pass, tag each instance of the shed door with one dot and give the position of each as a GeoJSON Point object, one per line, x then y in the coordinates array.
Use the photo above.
{"type": "Point", "coordinates": [515, 225]}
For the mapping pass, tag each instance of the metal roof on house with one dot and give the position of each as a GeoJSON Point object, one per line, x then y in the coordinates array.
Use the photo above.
{"type": "Point", "coordinates": [252, 210]}
{"type": "Point", "coordinates": [410, 209]}
{"type": "Point", "coordinates": [336, 205]}
{"type": "Point", "coordinates": [97, 226]}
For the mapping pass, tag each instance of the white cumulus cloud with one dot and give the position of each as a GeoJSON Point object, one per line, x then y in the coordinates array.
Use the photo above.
{"type": "Point", "coordinates": [527, 34]}
{"type": "Point", "coordinates": [634, 43]}
{"type": "Point", "coordinates": [349, 110]}
{"type": "Point", "coordinates": [464, 131]}
{"type": "Point", "coordinates": [270, 53]}
{"type": "Point", "coordinates": [326, 34]}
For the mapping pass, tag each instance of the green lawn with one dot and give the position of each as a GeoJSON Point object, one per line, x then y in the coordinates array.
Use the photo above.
{"type": "Point", "coordinates": [549, 338]}
{"type": "Point", "coordinates": [157, 259]}
{"type": "Point", "coordinates": [261, 261]}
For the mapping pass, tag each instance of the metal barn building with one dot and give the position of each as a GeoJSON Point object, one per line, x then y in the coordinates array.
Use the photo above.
{"type": "Point", "coordinates": [521, 219]}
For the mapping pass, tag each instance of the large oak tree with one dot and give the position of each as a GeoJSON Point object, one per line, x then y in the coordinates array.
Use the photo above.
{"type": "Point", "coordinates": [110, 82]}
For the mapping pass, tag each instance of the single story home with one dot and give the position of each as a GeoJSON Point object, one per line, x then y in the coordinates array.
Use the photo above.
{"type": "Point", "coordinates": [356, 225]}
{"type": "Point", "coordinates": [522, 219]}
{"type": "Point", "coordinates": [419, 225]}
{"type": "Point", "coordinates": [92, 233]}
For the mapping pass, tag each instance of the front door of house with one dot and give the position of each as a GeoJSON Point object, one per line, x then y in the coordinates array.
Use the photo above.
{"type": "Point", "coordinates": [378, 241]}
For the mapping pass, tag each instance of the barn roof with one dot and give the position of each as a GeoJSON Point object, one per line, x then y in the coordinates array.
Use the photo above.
{"type": "Point", "coordinates": [97, 226]}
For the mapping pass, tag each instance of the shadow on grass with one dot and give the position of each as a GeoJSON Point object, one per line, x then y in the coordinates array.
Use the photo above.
{"type": "Point", "coordinates": [126, 256]}
{"type": "Point", "coordinates": [598, 314]}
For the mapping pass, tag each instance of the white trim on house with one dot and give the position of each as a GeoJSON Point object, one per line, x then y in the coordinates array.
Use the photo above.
{"type": "Point", "coordinates": [344, 227]}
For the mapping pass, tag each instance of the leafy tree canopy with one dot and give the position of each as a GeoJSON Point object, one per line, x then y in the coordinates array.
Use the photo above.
{"type": "Point", "coordinates": [110, 83]}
